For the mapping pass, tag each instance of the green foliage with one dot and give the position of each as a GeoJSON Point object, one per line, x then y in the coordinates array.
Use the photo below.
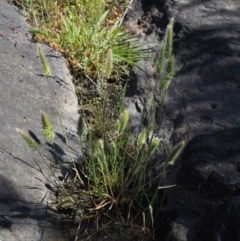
{"type": "Point", "coordinates": [88, 33]}
{"type": "Point", "coordinates": [118, 167]}
{"type": "Point", "coordinates": [112, 168]}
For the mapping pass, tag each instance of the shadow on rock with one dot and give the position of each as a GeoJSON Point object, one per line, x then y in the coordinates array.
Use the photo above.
{"type": "Point", "coordinates": [205, 204]}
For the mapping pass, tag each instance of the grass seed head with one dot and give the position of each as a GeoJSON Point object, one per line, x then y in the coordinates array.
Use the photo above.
{"type": "Point", "coordinates": [153, 146]}
{"type": "Point", "coordinates": [46, 69]}
{"type": "Point", "coordinates": [48, 131]}
{"type": "Point", "coordinates": [81, 125]}
{"type": "Point", "coordinates": [31, 143]}
{"type": "Point", "coordinates": [109, 63]}
{"type": "Point", "coordinates": [169, 40]}
{"type": "Point", "coordinates": [141, 139]}
{"type": "Point", "coordinates": [165, 82]}
{"type": "Point", "coordinates": [123, 121]}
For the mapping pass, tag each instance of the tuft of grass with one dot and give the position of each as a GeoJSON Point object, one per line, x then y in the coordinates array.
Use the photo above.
{"type": "Point", "coordinates": [115, 186]}
{"type": "Point", "coordinates": [87, 33]}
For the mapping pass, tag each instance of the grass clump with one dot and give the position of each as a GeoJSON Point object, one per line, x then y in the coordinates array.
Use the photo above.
{"type": "Point", "coordinates": [86, 32]}
{"type": "Point", "coordinates": [116, 186]}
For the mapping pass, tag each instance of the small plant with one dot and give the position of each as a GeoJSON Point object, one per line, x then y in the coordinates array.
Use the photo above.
{"type": "Point", "coordinates": [116, 186]}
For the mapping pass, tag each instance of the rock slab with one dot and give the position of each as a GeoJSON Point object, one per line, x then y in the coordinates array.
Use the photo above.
{"type": "Point", "coordinates": [201, 107]}
{"type": "Point", "coordinates": [205, 204]}
{"type": "Point", "coordinates": [24, 93]}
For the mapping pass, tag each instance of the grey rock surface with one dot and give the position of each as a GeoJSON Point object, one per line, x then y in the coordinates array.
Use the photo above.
{"type": "Point", "coordinates": [205, 91]}
{"type": "Point", "coordinates": [205, 202]}
{"type": "Point", "coordinates": [204, 95]}
{"type": "Point", "coordinates": [201, 106]}
{"type": "Point", "coordinates": [25, 212]}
